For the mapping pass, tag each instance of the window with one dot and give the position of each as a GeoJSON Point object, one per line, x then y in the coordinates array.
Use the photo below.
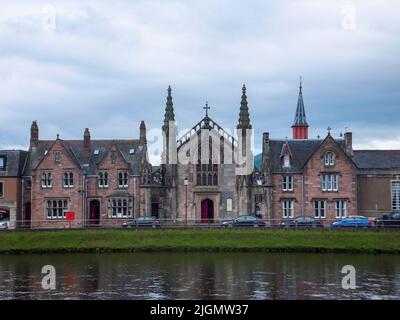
{"type": "Point", "coordinates": [287, 208]}
{"type": "Point", "coordinates": [2, 163]}
{"type": "Point", "coordinates": [287, 183]}
{"type": "Point", "coordinates": [229, 204]}
{"type": "Point", "coordinates": [120, 207]}
{"type": "Point", "coordinates": [46, 180]}
{"type": "Point", "coordinates": [215, 179]}
{"type": "Point", "coordinates": [329, 159]}
{"type": "Point", "coordinates": [286, 161]}
{"type": "Point", "coordinates": [123, 179]}
{"type": "Point", "coordinates": [330, 182]}
{"type": "Point", "coordinates": [258, 198]}
{"type": "Point", "coordinates": [395, 195]}
{"type": "Point", "coordinates": [56, 208]}
{"type": "Point", "coordinates": [57, 156]}
{"type": "Point", "coordinates": [340, 208]}
{"type": "Point", "coordinates": [68, 179]}
{"type": "Point", "coordinates": [1, 189]}
{"type": "Point", "coordinates": [103, 179]}
{"type": "Point", "coordinates": [320, 209]}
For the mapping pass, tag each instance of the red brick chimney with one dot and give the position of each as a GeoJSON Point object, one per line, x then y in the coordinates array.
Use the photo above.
{"type": "Point", "coordinates": [34, 135]}
{"type": "Point", "coordinates": [143, 139]}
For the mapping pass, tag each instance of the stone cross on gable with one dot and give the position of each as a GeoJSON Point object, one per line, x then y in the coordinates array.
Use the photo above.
{"type": "Point", "coordinates": [206, 108]}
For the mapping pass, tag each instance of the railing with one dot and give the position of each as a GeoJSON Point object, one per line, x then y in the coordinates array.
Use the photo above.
{"type": "Point", "coordinates": [179, 223]}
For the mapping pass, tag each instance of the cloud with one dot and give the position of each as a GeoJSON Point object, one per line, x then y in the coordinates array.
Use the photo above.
{"type": "Point", "coordinates": [107, 66]}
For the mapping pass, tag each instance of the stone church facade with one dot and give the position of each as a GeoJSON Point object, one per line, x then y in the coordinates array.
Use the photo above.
{"type": "Point", "coordinates": [204, 173]}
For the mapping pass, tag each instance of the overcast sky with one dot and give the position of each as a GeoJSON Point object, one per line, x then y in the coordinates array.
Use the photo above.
{"type": "Point", "coordinates": [106, 65]}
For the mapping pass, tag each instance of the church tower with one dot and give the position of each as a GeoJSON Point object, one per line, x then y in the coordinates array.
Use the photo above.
{"type": "Point", "coordinates": [300, 126]}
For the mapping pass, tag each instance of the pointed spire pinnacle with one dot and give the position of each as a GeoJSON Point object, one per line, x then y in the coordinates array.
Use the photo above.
{"type": "Point", "coordinates": [244, 116]}
{"type": "Point", "coordinates": [300, 118]}
{"type": "Point", "coordinates": [169, 109]}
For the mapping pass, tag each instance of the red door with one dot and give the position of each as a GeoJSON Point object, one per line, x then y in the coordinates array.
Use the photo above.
{"type": "Point", "coordinates": [94, 212]}
{"type": "Point", "coordinates": [207, 211]}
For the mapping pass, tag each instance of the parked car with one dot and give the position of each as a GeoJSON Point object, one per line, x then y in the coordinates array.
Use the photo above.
{"type": "Point", "coordinates": [301, 222]}
{"type": "Point", "coordinates": [143, 222]}
{"type": "Point", "coordinates": [244, 222]}
{"type": "Point", "coordinates": [353, 222]}
{"type": "Point", "coordinates": [4, 219]}
{"type": "Point", "coordinates": [388, 220]}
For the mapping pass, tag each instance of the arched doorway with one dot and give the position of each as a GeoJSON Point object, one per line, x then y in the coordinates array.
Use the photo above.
{"type": "Point", "coordinates": [207, 211]}
{"type": "Point", "coordinates": [94, 212]}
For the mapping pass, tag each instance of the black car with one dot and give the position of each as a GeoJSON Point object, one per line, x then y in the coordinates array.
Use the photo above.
{"type": "Point", "coordinates": [245, 222]}
{"type": "Point", "coordinates": [302, 222]}
{"type": "Point", "coordinates": [388, 220]}
{"type": "Point", "coordinates": [143, 222]}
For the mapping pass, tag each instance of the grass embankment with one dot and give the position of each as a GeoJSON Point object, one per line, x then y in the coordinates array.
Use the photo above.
{"type": "Point", "coordinates": [198, 240]}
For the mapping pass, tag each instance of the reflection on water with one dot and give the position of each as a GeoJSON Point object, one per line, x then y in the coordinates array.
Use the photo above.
{"type": "Point", "coordinates": [200, 276]}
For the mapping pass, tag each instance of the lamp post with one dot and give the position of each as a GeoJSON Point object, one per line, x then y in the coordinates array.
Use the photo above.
{"type": "Point", "coordinates": [186, 183]}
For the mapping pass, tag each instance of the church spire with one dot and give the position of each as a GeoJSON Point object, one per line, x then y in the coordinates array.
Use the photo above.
{"type": "Point", "coordinates": [300, 125]}
{"type": "Point", "coordinates": [169, 109]}
{"type": "Point", "coordinates": [244, 116]}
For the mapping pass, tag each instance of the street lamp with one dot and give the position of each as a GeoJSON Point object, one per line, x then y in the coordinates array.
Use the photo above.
{"type": "Point", "coordinates": [186, 183]}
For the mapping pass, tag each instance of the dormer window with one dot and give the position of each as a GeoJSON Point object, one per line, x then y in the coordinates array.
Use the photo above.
{"type": "Point", "coordinates": [2, 163]}
{"type": "Point", "coordinates": [329, 159]}
{"type": "Point", "coordinates": [286, 161]}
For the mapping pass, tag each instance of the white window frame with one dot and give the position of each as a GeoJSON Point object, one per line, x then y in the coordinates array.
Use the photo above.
{"type": "Point", "coordinates": [68, 179]}
{"type": "Point", "coordinates": [395, 195]}
{"type": "Point", "coordinates": [319, 210]}
{"type": "Point", "coordinates": [120, 208]}
{"type": "Point", "coordinates": [123, 179]}
{"type": "Point", "coordinates": [341, 209]}
{"type": "Point", "coordinates": [46, 180]}
{"type": "Point", "coordinates": [53, 209]}
{"type": "Point", "coordinates": [287, 208]}
{"type": "Point", "coordinates": [103, 179]}
{"type": "Point", "coordinates": [329, 159]}
{"type": "Point", "coordinates": [287, 183]}
{"type": "Point", "coordinates": [330, 182]}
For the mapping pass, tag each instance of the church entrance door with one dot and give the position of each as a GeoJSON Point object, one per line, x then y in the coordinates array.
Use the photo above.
{"type": "Point", "coordinates": [207, 211]}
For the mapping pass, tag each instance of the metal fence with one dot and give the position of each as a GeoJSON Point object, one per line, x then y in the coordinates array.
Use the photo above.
{"type": "Point", "coordinates": [179, 223]}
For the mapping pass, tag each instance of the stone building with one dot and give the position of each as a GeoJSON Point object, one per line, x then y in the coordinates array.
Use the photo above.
{"type": "Point", "coordinates": [11, 166]}
{"type": "Point", "coordinates": [98, 180]}
{"type": "Point", "coordinates": [203, 176]}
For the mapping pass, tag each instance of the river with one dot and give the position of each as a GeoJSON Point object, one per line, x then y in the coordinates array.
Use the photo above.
{"type": "Point", "coordinates": [200, 276]}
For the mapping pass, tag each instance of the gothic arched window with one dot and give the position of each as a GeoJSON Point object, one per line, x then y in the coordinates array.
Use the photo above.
{"type": "Point", "coordinates": [210, 179]}
{"type": "Point", "coordinates": [215, 180]}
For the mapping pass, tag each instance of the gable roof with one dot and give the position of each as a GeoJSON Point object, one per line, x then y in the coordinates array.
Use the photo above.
{"type": "Point", "coordinates": [76, 150]}
{"type": "Point", "coordinates": [377, 159]}
{"type": "Point", "coordinates": [208, 124]}
{"type": "Point", "coordinates": [15, 161]}
{"type": "Point", "coordinates": [301, 151]}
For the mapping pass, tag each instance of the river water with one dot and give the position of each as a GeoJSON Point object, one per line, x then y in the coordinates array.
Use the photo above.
{"type": "Point", "coordinates": [200, 276]}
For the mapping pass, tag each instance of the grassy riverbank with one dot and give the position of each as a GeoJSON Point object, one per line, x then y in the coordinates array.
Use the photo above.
{"type": "Point", "coordinates": [198, 240]}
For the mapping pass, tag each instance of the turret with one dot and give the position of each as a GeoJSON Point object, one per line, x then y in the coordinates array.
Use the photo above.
{"type": "Point", "coordinates": [300, 125]}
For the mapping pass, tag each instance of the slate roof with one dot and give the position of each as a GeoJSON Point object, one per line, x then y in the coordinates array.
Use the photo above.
{"type": "Point", "coordinates": [76, 150]}
{"type": "Point", "coordinates": [301, 150]}
{"type": "Point", "coordinates": [15, 161]}
{"type": "Point", "coordinates": [377, 159]}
